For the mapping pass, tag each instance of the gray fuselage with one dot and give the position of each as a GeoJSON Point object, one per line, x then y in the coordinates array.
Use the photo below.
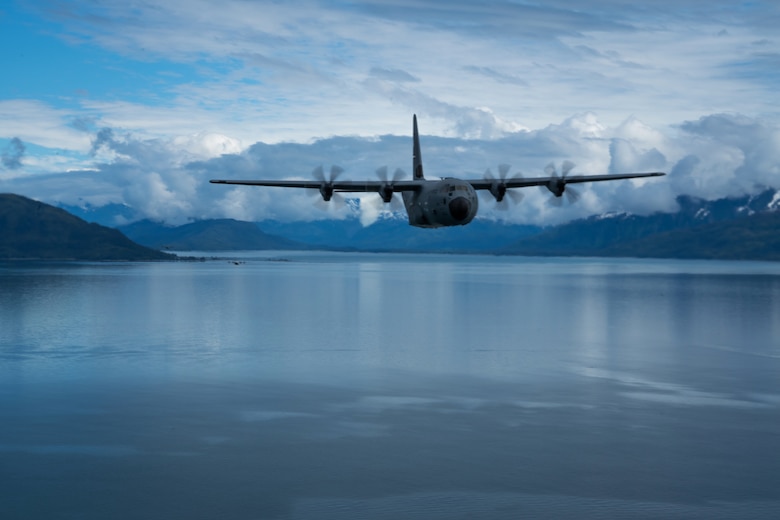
{"type": "Point", "coordinates": [448, 202]}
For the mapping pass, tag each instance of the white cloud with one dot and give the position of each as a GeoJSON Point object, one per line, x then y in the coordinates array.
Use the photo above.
{"type": "Point", "coordinates": [201, 80]}
{"type": "Point", "coordinates": [274, 71]}
{"type": "Point", "coordinates": [167, 179]}
{"type": "Point", "coordinates": [206, 145]}
{"type": "Point", "coordinates": [37, 122]}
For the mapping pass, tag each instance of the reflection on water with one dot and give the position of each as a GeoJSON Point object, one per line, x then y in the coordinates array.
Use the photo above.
{"type": "Point", "coordinates": [313, 385]}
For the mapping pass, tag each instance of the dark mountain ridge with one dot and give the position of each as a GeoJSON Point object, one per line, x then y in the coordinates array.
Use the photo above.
{"type": "Point", "coordinates": [33, 230]}
{"type": "Point", "coordinates": [755, 237]}
{"type": "Point", "coordinates": [737, 227]}
{"type": "Point", "coordinates": [207, 235]}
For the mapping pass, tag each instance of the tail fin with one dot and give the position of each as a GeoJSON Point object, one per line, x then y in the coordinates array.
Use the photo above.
{"type": "Point", "coordinates": [416, 158]}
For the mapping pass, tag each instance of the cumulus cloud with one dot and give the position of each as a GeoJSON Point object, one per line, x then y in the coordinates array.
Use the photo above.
{"type": "Point", "coordinates": [626, 157]}
{"type": "Point", "coordinates": [13, 153]}
{"type": "Point", "coordinates": [104, 138]}
{"type": "Point", "coordinates": [729, 154]}
{"type": "Point", "coordinates": [198, 90]}
{"type": "Point", "coordinates": [167, 179]}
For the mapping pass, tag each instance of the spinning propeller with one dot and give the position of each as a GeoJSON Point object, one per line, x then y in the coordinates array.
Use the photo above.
{"type": "Point", "coordinates": [326, 184]}
{"type": "Point", "coordinates": [387, 189]}
{"type": "Point", "coordinates": [557, 185]}
{"type": "Point", "coordinates": [498, 187]}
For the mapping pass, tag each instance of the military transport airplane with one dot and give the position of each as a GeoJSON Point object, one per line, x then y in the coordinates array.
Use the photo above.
{"type": "Point", "coordinates": [444, 202]}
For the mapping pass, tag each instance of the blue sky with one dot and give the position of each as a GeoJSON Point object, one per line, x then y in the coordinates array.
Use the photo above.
{"type": "Point", "coordinates": [185, 90]}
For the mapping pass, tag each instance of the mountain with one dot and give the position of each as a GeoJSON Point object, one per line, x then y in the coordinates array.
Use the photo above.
{"type": "Point", "coordinates": [389, 234]}
{"type": "Point", "coordinates": [207, 235]}
{"type": "Point", "coordinates": [749, 227]}
{"type": "Point", "coordinates": [696, 231]}
{"type": "Point", "coordinates": [34, 230]}
{"type": "Point", "coordinates": [755, 237]}
{"type": "Point", "coordinates": [110, 215]}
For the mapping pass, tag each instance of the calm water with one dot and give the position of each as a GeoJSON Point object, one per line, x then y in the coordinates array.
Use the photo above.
{"type": "Point", "coordinates": [345, 386]}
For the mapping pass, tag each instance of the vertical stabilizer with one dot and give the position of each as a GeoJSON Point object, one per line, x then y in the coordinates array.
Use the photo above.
{"type": "Point", "coordinates": [416, 158]}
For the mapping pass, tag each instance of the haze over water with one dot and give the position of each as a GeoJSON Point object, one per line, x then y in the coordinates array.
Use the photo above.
{"type": "Point", "coordinates": [331, 385]}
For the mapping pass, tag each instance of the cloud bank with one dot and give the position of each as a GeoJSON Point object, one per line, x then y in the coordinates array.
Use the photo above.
{"type": "Point", "coordinates": [139, 104]}
{"type": "Point", "coordinates": [167, 179]}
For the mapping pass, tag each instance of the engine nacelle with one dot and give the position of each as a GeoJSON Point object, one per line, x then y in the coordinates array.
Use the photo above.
{"type": "Point", "coordinates": [556, 187]}
{"type": "Point", "coordinates": [326, 190]}
{"type": "Point", "coordinates": [498, 190]}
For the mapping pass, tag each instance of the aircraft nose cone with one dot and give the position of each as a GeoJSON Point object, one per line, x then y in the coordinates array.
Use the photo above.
{"type": "Point", "coordinates": [459, 208]}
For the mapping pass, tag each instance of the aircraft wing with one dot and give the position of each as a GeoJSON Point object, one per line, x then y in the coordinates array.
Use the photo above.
{"type": "Point", "coordinates": [341, 186]}
{"type": "Point", "coordinates": [522, 182]}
